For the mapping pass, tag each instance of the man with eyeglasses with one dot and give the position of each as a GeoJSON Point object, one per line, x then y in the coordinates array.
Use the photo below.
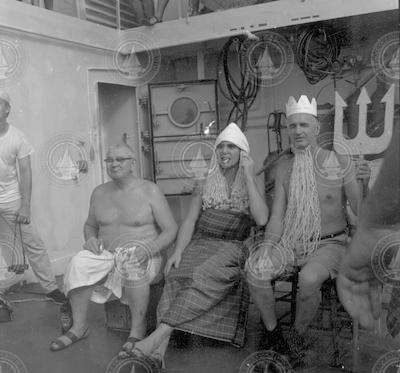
{"type": "Point", "coordinates": [128, 225]}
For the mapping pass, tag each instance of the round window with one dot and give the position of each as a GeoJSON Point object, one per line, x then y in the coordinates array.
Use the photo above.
{"type": "Point", "coordinates": [184, 112]}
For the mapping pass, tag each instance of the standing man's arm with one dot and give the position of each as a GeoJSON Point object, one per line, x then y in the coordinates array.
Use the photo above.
{"type": "Point", "coordinates": [25, 184]}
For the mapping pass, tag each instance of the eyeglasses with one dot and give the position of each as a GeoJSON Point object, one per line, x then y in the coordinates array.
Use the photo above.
{"type": "Point", "coordinates": [117, 159]}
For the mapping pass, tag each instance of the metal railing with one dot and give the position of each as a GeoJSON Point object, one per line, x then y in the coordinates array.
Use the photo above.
{"type": "Point", "coordinates": [48, 4]}
{"type": "Point", "coordinates": [117, 14]}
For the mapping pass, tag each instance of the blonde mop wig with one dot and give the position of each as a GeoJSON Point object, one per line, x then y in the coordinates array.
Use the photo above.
{"type": "Point", "coordinates": [302, 222]}
{"type": "Point", "coordinates": [216, 189]}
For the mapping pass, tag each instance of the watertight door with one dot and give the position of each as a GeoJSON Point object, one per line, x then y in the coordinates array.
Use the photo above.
{"type": "Point", "coordinates": [184, 125]}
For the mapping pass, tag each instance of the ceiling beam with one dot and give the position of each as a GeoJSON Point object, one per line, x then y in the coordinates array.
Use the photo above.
{"type": "Point", "coordinates": [232, 22]}
{"type": "Point", "coordinates": [20, 17]}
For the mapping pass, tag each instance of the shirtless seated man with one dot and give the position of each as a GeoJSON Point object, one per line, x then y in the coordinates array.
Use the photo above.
{"type": "Point", "coordinates": [128, 226]}
{"type": "Point", "coordinates": [307, 227]}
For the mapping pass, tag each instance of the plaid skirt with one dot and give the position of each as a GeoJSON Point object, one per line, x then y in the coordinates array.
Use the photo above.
{"type": "Point", "coordinates": [207, 295]}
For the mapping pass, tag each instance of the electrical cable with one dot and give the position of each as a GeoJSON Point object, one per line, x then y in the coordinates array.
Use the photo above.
{"type": "Point", "coordinates": [317, 52]}
{"type": "Point", "coordinates": [17, 268]}
{"type": "Point", "coordinates": [242, 91]}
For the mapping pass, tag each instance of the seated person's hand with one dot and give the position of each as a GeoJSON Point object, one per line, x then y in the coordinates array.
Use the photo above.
{"type": "Point", "coordinates": [173, 261]}
{"type": "Point", "coordinates": [363, 171]}
{"type": "Point", "coordinates": [141, 255]}
{"type": "Point", "coordinates": [94, 245]}
{"type": "Point", "coordinates": [247, 164]}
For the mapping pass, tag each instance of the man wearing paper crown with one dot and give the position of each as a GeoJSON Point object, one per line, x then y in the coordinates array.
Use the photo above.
{"type": "Point", "coordinates": [307, 227]}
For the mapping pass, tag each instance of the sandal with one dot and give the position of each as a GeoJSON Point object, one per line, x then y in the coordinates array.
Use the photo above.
{"type": "Point", "coordinates": [126, 352]}
{"type": "Point", "coordinates": [60, 343]}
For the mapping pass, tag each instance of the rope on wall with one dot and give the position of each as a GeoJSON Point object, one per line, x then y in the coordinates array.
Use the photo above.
{"type": "Point", "coordinates": [241, 90]}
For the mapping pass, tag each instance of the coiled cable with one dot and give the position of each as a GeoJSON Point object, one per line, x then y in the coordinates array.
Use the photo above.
{"type": "Point", "coordinates": [318, 49]}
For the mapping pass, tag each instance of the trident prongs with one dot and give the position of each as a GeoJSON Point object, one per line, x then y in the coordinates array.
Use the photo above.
{"type": "Point", "coordinates": [362, 143]}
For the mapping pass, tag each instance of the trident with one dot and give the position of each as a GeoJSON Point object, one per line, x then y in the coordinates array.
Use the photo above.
{"type": "Point", "coordinates": [362, 143]}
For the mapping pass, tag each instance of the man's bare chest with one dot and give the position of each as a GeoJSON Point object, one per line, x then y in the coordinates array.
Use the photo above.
{"type": "Point", "coordinates": [122, 209]}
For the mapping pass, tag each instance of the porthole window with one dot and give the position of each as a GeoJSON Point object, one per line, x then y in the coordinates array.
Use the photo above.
{"type": "Point", "coordinates": [184, 112]}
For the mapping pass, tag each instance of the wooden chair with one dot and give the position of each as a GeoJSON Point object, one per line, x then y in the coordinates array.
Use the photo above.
{"type": "Point", "coordinates": [337, 323]}
{"type": "Point", "coordinates": [118, 315]}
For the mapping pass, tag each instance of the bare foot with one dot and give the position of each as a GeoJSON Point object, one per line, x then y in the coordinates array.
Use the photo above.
{"type": "Point", "coordinates": [128, 346]}
{"type": "Point", "coordinates": [147, 346]}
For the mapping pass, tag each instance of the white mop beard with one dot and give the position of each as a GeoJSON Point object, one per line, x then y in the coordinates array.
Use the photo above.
{"type": "Point", "coordinates": [302, 221]}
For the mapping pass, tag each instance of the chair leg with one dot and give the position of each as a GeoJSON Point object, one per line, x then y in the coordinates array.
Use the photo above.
{"type": "Point", "coordinates": [293, 299]}
{"type": "Point", "coordinates": [335, 325]}
{"type": "Point", "coordinates": [355, 346]}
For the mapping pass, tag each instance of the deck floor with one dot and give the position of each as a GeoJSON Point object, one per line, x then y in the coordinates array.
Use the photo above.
{"type": "Point", "coordinates": [36, 322]}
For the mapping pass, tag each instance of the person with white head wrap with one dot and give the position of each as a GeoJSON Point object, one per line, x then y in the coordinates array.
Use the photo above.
{"type": "Point", "coordinates": [216, 191]}
{"type": "Point", "coordinates": [204, 292]}
{"type": "Point", "coordinates": [307, 227]}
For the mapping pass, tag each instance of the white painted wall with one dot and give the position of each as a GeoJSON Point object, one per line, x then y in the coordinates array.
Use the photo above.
{"type": "Point", "coordinates": [54, 93]}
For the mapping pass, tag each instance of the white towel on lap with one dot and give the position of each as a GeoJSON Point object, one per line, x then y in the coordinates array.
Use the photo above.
{"type": "Point", "coordinates": [120, 270]}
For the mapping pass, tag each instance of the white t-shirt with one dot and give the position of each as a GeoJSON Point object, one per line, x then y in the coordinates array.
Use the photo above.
{"type": "Point", "coordinates": [13, 146]}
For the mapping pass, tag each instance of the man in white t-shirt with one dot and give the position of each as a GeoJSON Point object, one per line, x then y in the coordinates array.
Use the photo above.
{"type": "Point", "coordinates": [15, 201]}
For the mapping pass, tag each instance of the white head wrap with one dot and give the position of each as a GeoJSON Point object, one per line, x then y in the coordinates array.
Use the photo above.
{"type": "Point", "coordinates": [233, 134]}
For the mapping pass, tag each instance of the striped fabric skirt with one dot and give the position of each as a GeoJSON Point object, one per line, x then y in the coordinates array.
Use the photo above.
{"type": "Point", "coordinates": [207, 295]}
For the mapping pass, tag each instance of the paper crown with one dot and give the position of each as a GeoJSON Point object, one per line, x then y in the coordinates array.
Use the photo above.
{"type": "Point", "coordinates": [301, 106]}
